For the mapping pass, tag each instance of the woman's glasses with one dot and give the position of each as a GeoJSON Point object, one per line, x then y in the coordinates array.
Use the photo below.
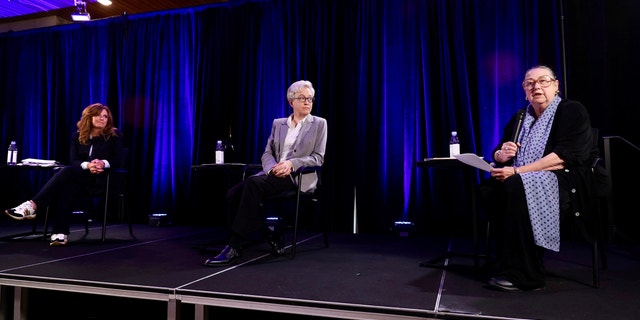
{"type": "Point", "coordinates": [303, 99]}
{"type": "Point", "coordinates": [544, 82]}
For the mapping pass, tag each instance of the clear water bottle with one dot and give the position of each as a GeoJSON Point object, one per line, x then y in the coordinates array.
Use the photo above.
{"type": "Point", "coordinates": [454, 144]}
{"type": "Point", "coordinates": [12, 154]}
{"type": "Point", "coordinates": [219, 152]}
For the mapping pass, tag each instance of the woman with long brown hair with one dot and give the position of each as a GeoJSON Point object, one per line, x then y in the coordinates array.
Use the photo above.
{"type": "Point", "coordinates": [95, 147]}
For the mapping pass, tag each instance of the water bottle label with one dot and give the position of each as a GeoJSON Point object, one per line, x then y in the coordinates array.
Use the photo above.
{"type": "Point", "coordinates": [12, 157]}
{"type": "Point", "coordinates": [454, 150]}
{"type": "Point", "coordinates": [219, 156]}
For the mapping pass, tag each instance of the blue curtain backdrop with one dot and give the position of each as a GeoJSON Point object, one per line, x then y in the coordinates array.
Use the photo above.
{"type": "Point", "coordinates": [393, 78]}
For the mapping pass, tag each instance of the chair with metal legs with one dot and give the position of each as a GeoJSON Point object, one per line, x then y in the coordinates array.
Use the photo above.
{"type": "Point", "coordinates": [297, 203]}
{"type": "Point", "coordinates": [115, 189]}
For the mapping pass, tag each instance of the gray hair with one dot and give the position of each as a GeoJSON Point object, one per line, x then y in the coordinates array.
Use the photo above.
{"type": "Point", "coordinates": [298, 86]}
{"type": "Point", "coordinates": [553, 75]}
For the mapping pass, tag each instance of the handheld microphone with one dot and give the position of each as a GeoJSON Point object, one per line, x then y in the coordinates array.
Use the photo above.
{"type": "Point", "coordinates": [516, 132]}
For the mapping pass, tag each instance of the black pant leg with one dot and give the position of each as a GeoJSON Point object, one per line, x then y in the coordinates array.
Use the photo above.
{"type": "Point", "coordinates": [249, 217]}
{"type": "Point", "coordinates": [61, 191]}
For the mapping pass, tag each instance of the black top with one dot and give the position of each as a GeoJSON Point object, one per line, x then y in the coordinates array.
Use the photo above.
{"type": "Point", "coordinates": [571, 138]}
{"type": "Point", "coordinates": [111, 149]}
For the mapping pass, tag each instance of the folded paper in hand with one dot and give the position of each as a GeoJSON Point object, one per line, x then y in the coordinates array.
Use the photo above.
{"type": "Point", "coordinates": [474, 161]}
{"type": "Point", "coordinates": [39, 162]}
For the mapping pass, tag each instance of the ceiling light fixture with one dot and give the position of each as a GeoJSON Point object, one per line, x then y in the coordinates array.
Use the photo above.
{"type": "Point", "coordinates": [105, 2]}
{"type": "Point", "coordinates": [81, 13]}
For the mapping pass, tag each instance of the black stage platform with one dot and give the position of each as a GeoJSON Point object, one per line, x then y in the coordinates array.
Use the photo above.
{"type": "Point", "coordinates": [160, 275]}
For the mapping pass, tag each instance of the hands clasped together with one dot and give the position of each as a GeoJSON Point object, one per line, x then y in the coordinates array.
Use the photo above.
{"type": "Point", "coordinates": [282, 169]}
{"type": "Point", "coordinates": [96, 166]}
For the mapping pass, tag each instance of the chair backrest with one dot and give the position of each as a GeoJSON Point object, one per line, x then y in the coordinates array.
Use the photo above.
{"type": "Point", "coordinates": [305, 173]}
{"type": "Point", "coordinates": [601, 181]}
{"type": "Point", "coordinates": [124, 158]}
{"type": "Point", "coordinates": [118, 175]}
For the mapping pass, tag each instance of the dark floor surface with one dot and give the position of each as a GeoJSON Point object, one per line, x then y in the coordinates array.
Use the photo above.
{"type": "Point", "coordinates": [359, 276]}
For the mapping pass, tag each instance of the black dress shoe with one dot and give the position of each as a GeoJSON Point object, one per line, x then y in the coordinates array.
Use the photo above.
{"type": "Point", "coordinates": [501, 283]}
{"type": "Point", "coordinates": [226, 256]}
{"type": "Point", "coordinates": [275, 240]}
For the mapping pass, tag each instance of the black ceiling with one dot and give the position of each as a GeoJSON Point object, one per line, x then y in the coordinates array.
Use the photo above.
{"type": "Point", "coordinates": [20, 10]}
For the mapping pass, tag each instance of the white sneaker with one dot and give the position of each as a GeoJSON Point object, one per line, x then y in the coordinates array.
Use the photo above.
{"type": "Point", "coordinates": [23, 211]}
{"type": "Point", "coordinates": [58, 239]}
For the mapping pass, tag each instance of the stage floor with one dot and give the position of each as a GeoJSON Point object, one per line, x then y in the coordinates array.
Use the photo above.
{"type": "Point", "coordinates": [160, 273]}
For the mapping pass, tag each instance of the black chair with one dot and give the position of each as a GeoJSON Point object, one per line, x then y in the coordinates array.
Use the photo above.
{"type": "Point", "coordinates": [295, 200]}
{"type": "Point", "coordinates": [115, 189]}
{"type": "Point", "coordinates": [600, 197]}
{"type": "Point", "coordinates": [613, 233]}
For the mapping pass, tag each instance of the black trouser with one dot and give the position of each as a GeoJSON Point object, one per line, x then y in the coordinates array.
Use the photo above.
{"type": "Point", "coordinates": [244, 203]}
{"type": "Point", "coordinates": [519, 259]}
{"type": "Point", "coordinates": [62, 189]}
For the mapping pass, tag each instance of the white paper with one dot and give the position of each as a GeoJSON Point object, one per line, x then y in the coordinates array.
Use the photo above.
{"type": "Point", "coordinates": [474, 161]}
{"type": "Point", "coordinates": [38, 162]}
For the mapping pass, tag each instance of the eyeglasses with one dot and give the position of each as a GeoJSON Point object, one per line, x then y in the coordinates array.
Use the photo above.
{"type": "Point", "coordinates": [303, 99]}
{"type": "Point", "coordinates": [544, 82]}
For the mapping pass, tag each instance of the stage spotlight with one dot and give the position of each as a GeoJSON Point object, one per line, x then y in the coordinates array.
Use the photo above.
{"type": "Point", "coordinates": [81, 13]}
{"type": "Point", "coordinates": [80, 16]}
{"type": "Point", "coordinates": [273, 223]}
{"type": "Point", "coordinates": [159, 219]}
{"type": "Point", "coordinates": [403, 228]}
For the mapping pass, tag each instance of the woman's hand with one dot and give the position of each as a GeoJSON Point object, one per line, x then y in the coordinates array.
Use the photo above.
{"type": "Point", "coordinates": [503, 173]}
{"type": "Point", "coordinates": [96, 166]}
{"type": "Point", "coordinates": [282, 169]}
{"type": "Point", "coordinates": [507, 151]}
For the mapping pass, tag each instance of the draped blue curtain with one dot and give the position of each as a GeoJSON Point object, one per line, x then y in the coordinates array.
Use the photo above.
{"type": "Point", "coordinates": [392, 77]}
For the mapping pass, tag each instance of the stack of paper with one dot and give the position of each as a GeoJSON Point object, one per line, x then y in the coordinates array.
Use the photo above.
{"type": "Point", "coordinates": [39, 162]}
